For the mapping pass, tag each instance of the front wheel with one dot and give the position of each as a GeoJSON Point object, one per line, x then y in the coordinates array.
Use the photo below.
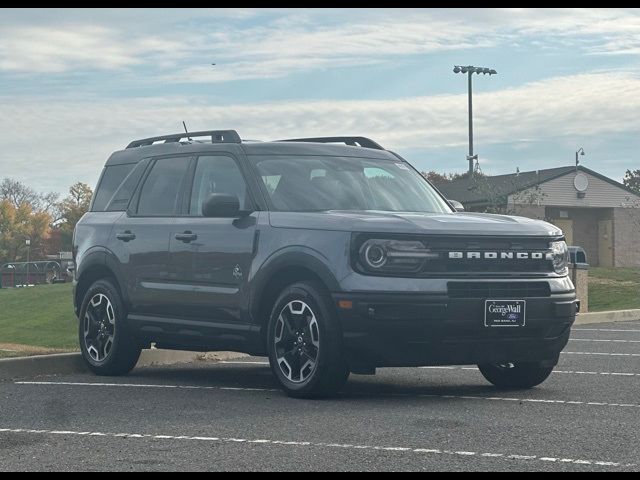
{"type": "Point", "coordinates": [516, 375]}
{"type": "Point", "coordinates": [305, 342]}
{"type": "Point", "coordinates": [106, 343]}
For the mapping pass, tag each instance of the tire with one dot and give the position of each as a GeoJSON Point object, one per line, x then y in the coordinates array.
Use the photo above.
{"type": "Point", "coordinates": [108, 346]}
{"type": "Point", "coordinates": [516, 376]}
{"type": "Point", "coordinates": [304, 341]}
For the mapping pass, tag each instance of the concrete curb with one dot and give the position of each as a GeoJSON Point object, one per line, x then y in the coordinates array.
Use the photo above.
{"type": "Point", "coordinates": [70, 363]}
{"type": "Point", "coordinates": [608, 317]}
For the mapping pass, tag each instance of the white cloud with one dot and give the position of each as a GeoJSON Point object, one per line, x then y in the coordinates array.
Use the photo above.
{"type": "Point", "coordinates": [298, 40]}
{"type": "Point", "coordinates": [58, 49]}
{"type": "Point", "coordinates": [66, 139]}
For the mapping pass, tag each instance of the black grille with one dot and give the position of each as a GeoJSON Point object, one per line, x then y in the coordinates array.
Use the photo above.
{"type": "Point", "coordinates": [482, 245]}
{"type": "Point", "coordinates": [498, 290]}
{"type": "Point", "coordinates": [441, 264]}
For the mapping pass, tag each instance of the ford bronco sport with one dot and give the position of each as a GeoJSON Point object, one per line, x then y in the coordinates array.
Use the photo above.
{"type": "Point", "coordinates": [329, 255]}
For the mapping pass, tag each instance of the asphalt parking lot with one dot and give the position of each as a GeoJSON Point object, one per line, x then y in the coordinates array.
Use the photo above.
{"type": "Point", "coordinates": [232, 416]}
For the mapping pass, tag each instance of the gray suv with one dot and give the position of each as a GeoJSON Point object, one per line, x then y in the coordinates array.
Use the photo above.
{"type": "Point", "coordinates": [328, 255]}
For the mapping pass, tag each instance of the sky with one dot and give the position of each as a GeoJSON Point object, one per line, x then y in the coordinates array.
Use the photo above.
{"type": "Point", "coordinates": [75, 85]}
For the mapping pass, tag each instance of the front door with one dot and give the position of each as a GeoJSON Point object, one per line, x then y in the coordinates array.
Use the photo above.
{"type": "Point", "coordinates": [211, 257]}
{"type": "Point", "coordinates": [605, 243]}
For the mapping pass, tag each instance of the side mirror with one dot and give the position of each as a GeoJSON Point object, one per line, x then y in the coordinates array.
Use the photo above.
{"type": "Point", "coordinates": [221, 205]}
{"type": "Point", "coordinates": [456, 205]}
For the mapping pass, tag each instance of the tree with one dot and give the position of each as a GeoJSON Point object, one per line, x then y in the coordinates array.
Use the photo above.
{"type": "Point", "coordinates": [71, 210]}
{"type": "Point", "coordinates": [18, 224]}
{"type": "Point", "coordinates": [632, 180]}
{"type": "Point", "coordinates": [498, 200]}
{"type": "Point", "coordinates": [18, 194]}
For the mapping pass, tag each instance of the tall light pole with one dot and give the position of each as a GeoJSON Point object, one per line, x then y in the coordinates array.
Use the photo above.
{"type": "Point", "coordinates": [470, 70]}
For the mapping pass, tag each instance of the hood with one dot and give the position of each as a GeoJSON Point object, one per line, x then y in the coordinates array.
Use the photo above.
{"type": "Point", "coordinates": [460, 223]}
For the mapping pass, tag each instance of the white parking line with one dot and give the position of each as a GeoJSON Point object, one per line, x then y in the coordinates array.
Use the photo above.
{"type": "Point", "coordinates": [395, 449]}
{"type": "Point", "coordinates": [604, 354]}
{"type": "Point", "coordinates": [602, 340]}
{"type": "Point", "coordinates": [363, 394]}
{"type": "Point", "coordinates": [568, 372]}
{"type": "Point", "coordinates": [604, 330]}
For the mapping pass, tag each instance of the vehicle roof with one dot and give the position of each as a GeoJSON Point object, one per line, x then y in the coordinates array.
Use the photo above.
{"type": "Point", "coordinates": [134, 155]}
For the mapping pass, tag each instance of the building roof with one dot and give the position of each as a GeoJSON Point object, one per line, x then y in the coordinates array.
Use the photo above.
{"type": "Point", "coordinates": [478, 190]}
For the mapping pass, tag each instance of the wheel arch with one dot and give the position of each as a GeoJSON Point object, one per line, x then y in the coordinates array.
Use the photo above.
{"type": "Point", "coordinates": [284, 270]}
{"type": "Point", "coordinates": [99, 265]}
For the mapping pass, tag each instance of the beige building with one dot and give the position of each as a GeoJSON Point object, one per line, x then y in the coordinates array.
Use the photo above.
{"type": "Point", "coordinates": [594, 211]}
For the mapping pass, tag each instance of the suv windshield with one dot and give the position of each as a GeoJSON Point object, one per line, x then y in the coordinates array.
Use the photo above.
{"type": "Point", "coordinates": [303, 184]}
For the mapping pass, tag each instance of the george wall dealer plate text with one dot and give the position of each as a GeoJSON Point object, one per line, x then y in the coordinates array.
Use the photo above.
{"type": "Point", "coordinates": [505, 313]}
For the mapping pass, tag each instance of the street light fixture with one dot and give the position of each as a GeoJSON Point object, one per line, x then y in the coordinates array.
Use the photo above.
{"type": "Point", "coordinates": [470, 70]}
{"type": "Point", "coordinates": [580, 151]}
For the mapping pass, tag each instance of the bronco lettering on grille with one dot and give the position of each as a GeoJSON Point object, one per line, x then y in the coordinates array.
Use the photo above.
{"type": "Point", "coordinates": [500, 256]}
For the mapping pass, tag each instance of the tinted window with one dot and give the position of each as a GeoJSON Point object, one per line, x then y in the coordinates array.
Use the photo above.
{"type": "Point", "coordinates": [217, 175]}
{"type": "Point", "coordinates": [111, 180]}
{"type": "Point", "coordinates": [160, 192]}
{"type": "Point", "coordinates": [340, 183]}
{"type": "Point", "coordinates": [120, 200]}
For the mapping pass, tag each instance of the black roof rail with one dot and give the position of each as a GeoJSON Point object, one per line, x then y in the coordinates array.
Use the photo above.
{"type": "Point", "coordinates": [217, 136]}
{"type": "Point", "coordinates": [353, 141]}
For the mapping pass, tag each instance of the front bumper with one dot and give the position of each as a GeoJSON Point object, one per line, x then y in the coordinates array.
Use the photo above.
{"type": "Point", "coordinates": [394, 330]}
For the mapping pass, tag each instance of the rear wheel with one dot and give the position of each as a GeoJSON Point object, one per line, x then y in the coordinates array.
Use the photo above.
{"type": "Point", "coordinates": [107, 344]}
{"type": "Point", "coordinates": [516, 375]}
{"type": "Point", "coordinates": [305, 342]}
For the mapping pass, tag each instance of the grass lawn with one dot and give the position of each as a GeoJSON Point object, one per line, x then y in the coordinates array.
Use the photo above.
{"type": "Point", "coordinates": [614, 289]}
{"type": "Point", "coordinates": [40, 316]}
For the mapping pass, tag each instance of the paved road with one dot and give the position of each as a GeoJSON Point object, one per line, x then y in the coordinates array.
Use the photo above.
{"type": "Point", "coordinates": [231, 416]}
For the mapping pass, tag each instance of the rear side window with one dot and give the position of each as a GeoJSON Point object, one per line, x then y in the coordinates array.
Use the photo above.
{"type": "Point", "coordinates": [111, 179]}
{"type": "Point", "coordinates": [120, 200]}
{"type": "Point", "coordinates": [160, 194]}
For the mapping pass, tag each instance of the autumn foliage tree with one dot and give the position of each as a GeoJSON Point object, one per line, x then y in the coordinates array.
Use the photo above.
{"type": "Point", "coordinates": [47, 222]}
{"type": "Point", "coordinates": [71, 209]}
{"type": "Point", "coordinates": [19, 223]}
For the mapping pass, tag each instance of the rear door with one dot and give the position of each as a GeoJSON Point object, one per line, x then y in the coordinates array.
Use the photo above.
{"type": "Point", "coordinates": [142, 237]}
{"type": "Point", "coordinates": [211, 257]}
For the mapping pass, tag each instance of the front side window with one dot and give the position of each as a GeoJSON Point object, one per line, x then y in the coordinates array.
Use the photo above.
{"type": "Point", "coordinates": [217, 174]}
{"type": "Point", "coordinates": [160, 194]}
{"type": "Point", "coordinates": [344, 183]}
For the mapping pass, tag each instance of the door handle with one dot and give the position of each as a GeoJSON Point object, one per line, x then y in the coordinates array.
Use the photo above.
{"type": "Point", "coordinates": [126, 236]}
{"type": "Point", "coordinates": [186, 237]}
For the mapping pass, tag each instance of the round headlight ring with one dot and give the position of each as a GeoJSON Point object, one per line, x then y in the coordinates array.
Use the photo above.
{"type": "Point", "coordinates": [375, 255]}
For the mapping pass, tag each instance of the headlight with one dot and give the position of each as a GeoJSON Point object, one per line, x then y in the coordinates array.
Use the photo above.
{"type": "Point", "coordinates": [394, 256]}
{"type": "Point", "coordinates": [560, 257]}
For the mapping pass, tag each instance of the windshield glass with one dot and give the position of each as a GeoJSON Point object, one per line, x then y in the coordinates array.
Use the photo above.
{"type": "Point", "coordinates": [304, 184]}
